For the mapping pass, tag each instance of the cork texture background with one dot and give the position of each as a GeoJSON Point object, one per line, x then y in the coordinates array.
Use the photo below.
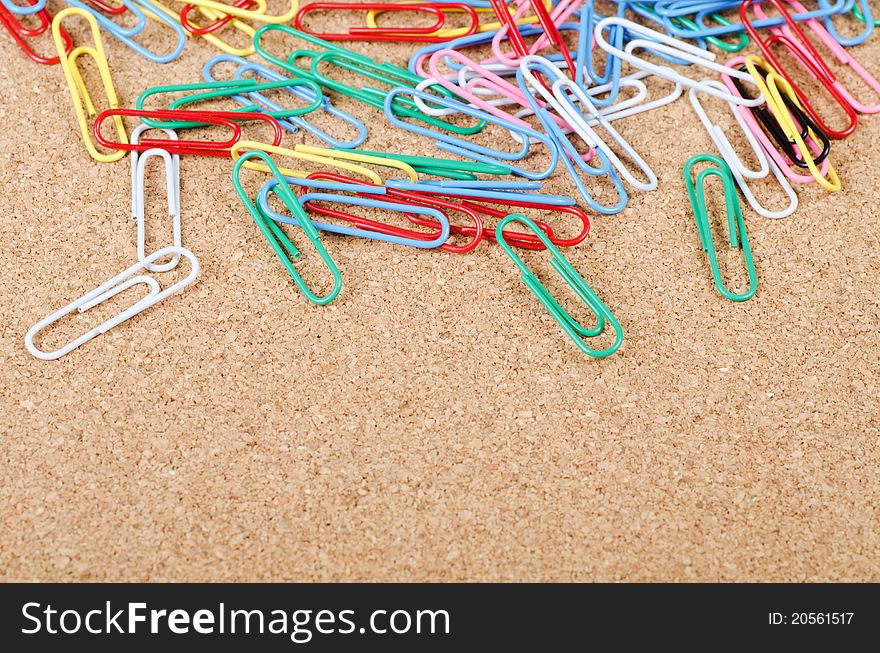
{"type": "Point", "coordinates": [433, 423]}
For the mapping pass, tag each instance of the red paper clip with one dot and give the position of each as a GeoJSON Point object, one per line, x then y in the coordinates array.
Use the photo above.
{"type": "Point", "coordinates": [21, 33]}
{"type": "Point", "coordinates": [410, 34]}
{"type": "Point", "coordinates": [114, 10]}
{"type": "Point", "coordinates": [809, 59]}
{"type": "Point", "coordinates": [475, 232]}
{"type": "Point", "coordinates": [550, 30]}
{"type": "Point", "coordinates": [211, 27]}
{"type": "Point", "coordinates": [205, 148]}
{"type": "Point", "coordinates": [519, 239]}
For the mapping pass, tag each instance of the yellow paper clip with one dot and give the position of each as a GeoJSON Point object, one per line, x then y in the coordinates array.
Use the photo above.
{"type": "Point", "coordinates": [455, 32]}
{"type": "Point", "coordinates": [361, 158]}
{"type": "Point", "coordinates": [249, 14]}
{"type": "Point", "coordinates": [212, 38]}
{"type": "Point", "coordinates": [82, 101]}
{"type": "Point", "coordinates": [772, 90]}
{"type": "Point", "coordinates": [236, 151]}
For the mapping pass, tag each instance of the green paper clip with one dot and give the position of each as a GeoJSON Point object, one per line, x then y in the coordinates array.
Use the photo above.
{"type": "Point", "coordinates": [384, 73]}
{"type": "Point", "coordinates": [735, 224]}
{"type": "Point", "coordinates": [575, 281]}
{"type": "Point", "coordinates": [276, 238]}
{"type": "Point", "coordinates": [227, 88]}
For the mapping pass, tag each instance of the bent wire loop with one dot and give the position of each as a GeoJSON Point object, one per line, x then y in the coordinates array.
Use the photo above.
{"type": "Point", "coordinates": [430, 34]}
{"type": "Point", "coordinates": [739, 170]}
{"type": "Point", "coordinates": [860, 10]}
{"type": "Point", "coordinates": [524, 135]}
{"type": "Point", "coordinates": [127, 34]}
{"type": "Point", "coordinates": [797, 44]}
{"type": "Point", "coordinates": [82, 101]}
{"type": "Point", "coordinates": [175, 167]}
{"type": "Point", "coordinates": [232, 88]}
{"type": "Point", "coordinates": [775, 87]}
{"type": "Point", "coordinates": [284, 249]}
{"type": "Point", "coordinates": [111, 288]}
{"type": "Point", "coordinates": [735, 225]}
{"type": "Point", "coordinates": [293, 123]}
{"type": "Point", "coordinates": [791, 34]}
{"type": "Point", "coordinates": [210, 37]}
{"type": "Point", "coordinates": [658, 42]}
{"type": "Point", "coordinates": [347, 184]}
{"type": "Point", "coordinates": [172, 183]}
{"type": "Point", "coordinates": [21, 33]}
{"type": "Point", "coordinates": [255, 15]}
{"type": "Point", "coordinates": [574, 280]}
{"type": "Point", "coordinates": [159, 118]}
{"type": "Point", "coordinates": [364, 228]}
{"type": "Point", "coordinates": [571, 158]}
{"type": "Point", "coordinates": [783, 154]}
{"type": "Point", "coordinates": [35, 7]}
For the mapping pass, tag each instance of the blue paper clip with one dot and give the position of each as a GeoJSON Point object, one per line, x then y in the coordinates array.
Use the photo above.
{"type": "Point", "coordinates": [294, 123]}
{"type": "Point", "coordinates": [126, 34]}
{"type": "Point", "coordinates": [471, 150]}
{"type": "Point", "coordinates": [485, 184]}
{"type": "Point", "coordinates": [482, 193]}
{"type": "Point", "coordinates": [442, 237]}
{"type": "Point", "coordinates": [24, 11]}
{"type": "Point", "coordinates": [571, 158]}
{"type": "Point", "coordinates": [854, 40]}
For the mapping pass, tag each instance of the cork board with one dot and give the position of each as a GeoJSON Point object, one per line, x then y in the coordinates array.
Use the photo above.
{"type": "Point", "coordinates": [433, 423]}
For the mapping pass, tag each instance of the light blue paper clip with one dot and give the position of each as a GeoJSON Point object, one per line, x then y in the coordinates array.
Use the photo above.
{"type": "Point", "coordinates": [127, 34]}
{"type": "Point", "coordinates": [482, 193]}
{"type": "Point", "coordinates": [294, 123]}
{"type": "Point", "coordinates": [571, 158]}
{"type": "Point", "coordinates": [471, 150]}
{"type": "Point", "coordinates": [442, 237]}
{"type": "Point", "coordinates": [24, 10]}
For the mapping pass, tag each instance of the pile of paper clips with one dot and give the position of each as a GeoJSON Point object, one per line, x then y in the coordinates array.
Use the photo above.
{"type": "Point", "coordinates": [547, 75]}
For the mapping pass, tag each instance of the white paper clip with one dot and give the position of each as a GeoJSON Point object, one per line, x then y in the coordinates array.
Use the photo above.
{"type": "Point", "coordinates": [172, 182]}
{"type": "Point", "coordinates": [740, 171]}
{"type": "Point", "coordinates": [134, 138]}
{"type": "Point", "coordinates": [676, 48]}
{"type": "Point", "coordinates": [111, 288]}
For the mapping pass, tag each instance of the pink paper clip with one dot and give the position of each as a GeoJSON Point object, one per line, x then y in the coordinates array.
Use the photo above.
{"type": "Point", "coordinates": [807, 53]}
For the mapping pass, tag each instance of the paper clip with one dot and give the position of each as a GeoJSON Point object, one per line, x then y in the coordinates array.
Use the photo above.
{"type": "Point", "coordinates": [82, 101]}
{"type": "Point", "coordinates": [209, 36]}
{"type": "Point", "coordinates": [205, 148]}
{"type": "Point", "coordinates": [573, 280]}
{"type": "Point", "coordinates": [572, 159]}
{"type": "Point", "coordinates": [782, 156]}
{"type": "Point", "coordinates": [449, 168]}
{"type": "Point", "coordinates": [292, 124]}
{"type": "Point", "coordinates": [284, 249]}
{"type": "Point", "coordinates": [35, 7]}
{"type": "Point", "coordinates": [172, 182]}
{"type": "Point", "coordinates": [302, 156]}
{"type": "Point", "coordinates": [759, 69]}
{"type": "Point", "coordinates": [551, 31]}
{"type": "Point", "coordinates": [248, 14]}
{"type": "Point", "coordinates": [797, 44]}
{"type": "Point", "coordinates": [859, 10]}
{"type": "Point", "coordinates": [365, 228]}
{"type": "Point", "coordinates": [476, 200]}
{"type": "Point", "coordinates": [347, 184]}
{"type": "Point", "coordinates": [776, 86]}
{"type": "Point", "coordinates": [739, 170]}
{"type": "Point", "coordinates": [220, 19]}
{"type": "Point", "coordinates": [107, 290]}
{"type": "Point", "coordinates": [455, 145]}
{"type": "Point", "coordinates": [127, 34]}
{"type": "Point", "coordinates": [735, 225]}
{"type": "Point", "coordinates": [21, 34]}
{"type": "Point", "coordinates": [655, 41]}
{"type": "Point", "coordinates": [374, 33]}
{"type": "Point", "coordinates": [236, 87]}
